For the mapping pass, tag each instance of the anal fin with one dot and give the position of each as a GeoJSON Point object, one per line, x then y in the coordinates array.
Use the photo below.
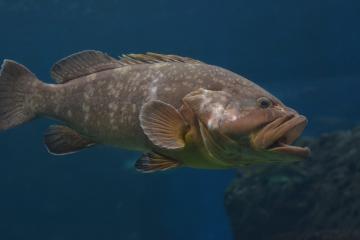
{"type": "Point", "coordinates": [61, 140]}
{"type": "Point", "coordinates": [152, 162]}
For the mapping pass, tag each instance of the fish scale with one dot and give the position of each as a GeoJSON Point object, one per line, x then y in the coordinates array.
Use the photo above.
{"type": "Point", "coordinates": [177, 110]}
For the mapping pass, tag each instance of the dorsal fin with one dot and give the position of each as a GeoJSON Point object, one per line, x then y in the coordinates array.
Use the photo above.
{"type": "Point", "coordinates": [91, 61]}
{"type": "Point", "coordinates": [149, 57]}
{"type": "Point", "coordinates": [82, 64]}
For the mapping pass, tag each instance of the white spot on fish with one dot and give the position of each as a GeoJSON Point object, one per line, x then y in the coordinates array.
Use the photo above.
{"type": "Point", "coordinates": [137, 75]}
{"type": "Point", "coordinates": [153, 88]}
{"type": "Point", "coordinates": [86, 117]}
{"type": "Point", "coordinates": [113, 106]}
{"type": "Point", "coordinates": [57, 109]}
{"type": "Point", "coordinates": [158, 65]}
{"type": "Point", "coordinates": [216, 115]}
{"type": "Point", "coordinates": [86, 96]}
{"type": "Point", "coordinates": [124, 69]}
{"type": "Point", "coordinates": [85, 108]}
{"type": "Point", "coordinates": [233, 118]}
{"type": "Point", "coordinates": [111, 118]}
{"type": "Point", "coordinates": [91, 77]}
{"type": "Point", "coordinates": [153, 92]}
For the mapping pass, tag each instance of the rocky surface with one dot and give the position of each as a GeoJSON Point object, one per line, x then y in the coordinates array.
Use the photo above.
{"type": "Point", "coordinates": [316, 199]}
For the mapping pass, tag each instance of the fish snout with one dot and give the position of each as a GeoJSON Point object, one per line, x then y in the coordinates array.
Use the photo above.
{"type": "Point", "coordinates": [279, 134]}
{"type": "Point", "coordinates": [284, 110]}
{"type": "Point", "coordinates": [298, 126]}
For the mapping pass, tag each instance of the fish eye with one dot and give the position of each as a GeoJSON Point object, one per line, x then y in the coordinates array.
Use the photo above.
{"type": "Point", "coordinates": [264, 102]}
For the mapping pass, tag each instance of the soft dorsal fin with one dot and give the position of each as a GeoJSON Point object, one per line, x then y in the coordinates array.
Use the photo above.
{"type": "Point", "coordinates": [82, 64]}
{"type": "Point", "coordinates": [61, 140]}
{"type": "Point", "coordinates": [152, 162]}
{"type": "Point", "coordinates": [149, 57]}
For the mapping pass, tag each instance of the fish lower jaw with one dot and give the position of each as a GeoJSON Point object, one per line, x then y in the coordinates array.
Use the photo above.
{"type": "Point", "coordinates": [302, 152]}
{"type": "Point", "coordinates": [280, 134]}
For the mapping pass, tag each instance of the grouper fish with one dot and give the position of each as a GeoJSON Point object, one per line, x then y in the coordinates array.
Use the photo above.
{"type": "Point", "coordinates": [177, 111]}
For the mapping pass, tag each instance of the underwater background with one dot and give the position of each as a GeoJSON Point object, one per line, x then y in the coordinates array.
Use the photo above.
{"type": "Point", "coordinates": [306, 53]}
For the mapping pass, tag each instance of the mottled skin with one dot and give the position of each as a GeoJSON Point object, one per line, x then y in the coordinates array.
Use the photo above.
{"type": "Point", "coordinates": [224, 121]}
{"type": "Point", "coordinates": [105, 105]}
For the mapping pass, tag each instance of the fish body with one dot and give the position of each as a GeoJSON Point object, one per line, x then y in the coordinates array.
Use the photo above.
{"type": "Point", "coordinates": [178, 111]}
{"type": "Point", "coordinates": [106, 105]}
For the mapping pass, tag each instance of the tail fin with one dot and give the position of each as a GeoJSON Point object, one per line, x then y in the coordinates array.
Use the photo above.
{"type": "Point", "coordinates": [17, 86]}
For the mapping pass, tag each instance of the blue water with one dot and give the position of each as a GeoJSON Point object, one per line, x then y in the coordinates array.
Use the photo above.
{"type": "Point", "coordinates": [305, 52]}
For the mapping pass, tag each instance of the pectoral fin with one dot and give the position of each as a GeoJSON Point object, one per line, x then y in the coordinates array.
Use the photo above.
{"type": "Point", "coordinates": [163, 125]}
{"type": "Point", "coordinates": [61, 140]}
{"type": "Point", "coordinates": [218, 145]}
{"type": "Point", "coordinates": [152, 162]}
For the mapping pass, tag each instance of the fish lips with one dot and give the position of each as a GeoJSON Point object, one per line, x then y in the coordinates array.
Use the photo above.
{"type": "Point", "coordinates": [278, 135]}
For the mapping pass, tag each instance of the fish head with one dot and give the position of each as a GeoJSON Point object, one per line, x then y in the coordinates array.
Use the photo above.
{"type": "Point", "coordinates": [256, 123]}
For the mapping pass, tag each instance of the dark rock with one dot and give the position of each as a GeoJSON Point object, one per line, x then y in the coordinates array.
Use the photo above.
{"type": "Point", "coordinates": [316, 199]}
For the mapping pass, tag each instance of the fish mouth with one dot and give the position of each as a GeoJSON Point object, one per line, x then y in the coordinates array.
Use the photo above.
{"type": "Point", "coordinates": [278, 135]}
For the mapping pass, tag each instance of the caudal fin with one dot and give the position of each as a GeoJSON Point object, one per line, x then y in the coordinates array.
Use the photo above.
{"type": "Point", "coordinates": [17, 88]}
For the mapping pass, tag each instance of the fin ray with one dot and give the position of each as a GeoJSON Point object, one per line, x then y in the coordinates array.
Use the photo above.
{"type": "Point", "coordinates": [17, 86]}
{"type": "Point", "coordinates": [149, 57]}
{"type": "Point", "coordinates": [152, 162]}
{"type": "Point", "coordinates": [61, 140]}
{"type": "Point", "coordinates": [91, 61]}
{"type": "Point", "coordinates": [81, 64]}
{"type": "Point", "coordinates": [163, 125]}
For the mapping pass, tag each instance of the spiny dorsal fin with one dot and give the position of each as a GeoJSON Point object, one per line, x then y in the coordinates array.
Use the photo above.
{"type": "Point", "coordinates": [149, 57]}
{"type": "Point", "coordinates": [82, 64]}
{"type": "Point", "coordinates": [61, 140]}
{"type": "Point", "coordinates": [152, 162]}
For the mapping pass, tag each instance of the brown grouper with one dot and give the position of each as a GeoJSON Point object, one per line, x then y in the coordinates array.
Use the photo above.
{"type": "Point", "coordinates": [176, 110]}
